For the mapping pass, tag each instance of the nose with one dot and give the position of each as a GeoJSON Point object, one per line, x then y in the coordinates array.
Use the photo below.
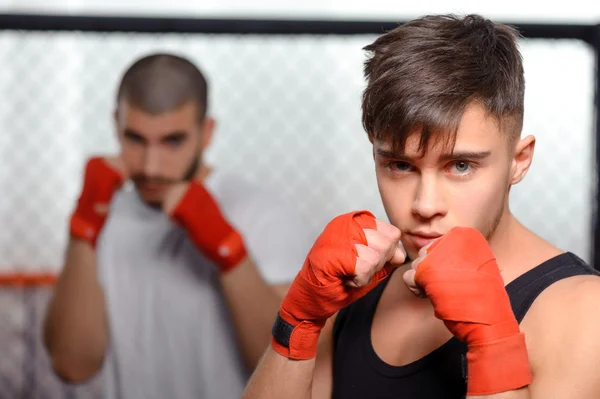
{"type": "Point", "coordinates": [429, 200]}
{"type": "Point", "coordinates": [152, 162]}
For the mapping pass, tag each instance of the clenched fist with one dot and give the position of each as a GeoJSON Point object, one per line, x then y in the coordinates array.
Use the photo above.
{"type": "Point", "coordinates": [192, 206]}
{"type": "Point", "coordinates": [351, 256]}
{"type": "Point", "coordinates": [102, 177]}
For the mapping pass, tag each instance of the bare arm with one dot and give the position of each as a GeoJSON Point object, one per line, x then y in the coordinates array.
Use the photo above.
{"type": "Point", "coordinates": [298, 365]}
{"type": "Point", "coordinates": [565, 352]}
{"type": "Point", "coordinates": [279, 377]}
{"type": "Point", "coordinates": [278, 241]}
{"type": "Point", "coordinates": [564, 324]}
{"type": "Point", "coordinates": [253, 305]}
{"type": "Point", "coordinates": [75, 328]}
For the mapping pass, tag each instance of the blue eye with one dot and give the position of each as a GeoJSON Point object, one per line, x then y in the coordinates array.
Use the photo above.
{"type": "Point", "coordinates": [461, 167]}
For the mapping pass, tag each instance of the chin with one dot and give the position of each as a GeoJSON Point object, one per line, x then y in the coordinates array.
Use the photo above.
{"type": "Point", "coordinates": [152, 200]}
{"type": "Point", "coordinates": [154, 204]}
{"type": "Point", "coordinates": [411, 252]}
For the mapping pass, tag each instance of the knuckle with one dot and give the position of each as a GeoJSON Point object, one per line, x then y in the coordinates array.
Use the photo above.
{"type": "Point", "coordinates": [371, 255]}
{"type": "Point", "coordinates": [395, 234]}
{"type": "Point", "coordinates": [373, 239]}
{"type": "Point", "coordinates": [362, 266]}
{"type": "Point", "coordinates": [375, 260]}
{"type": "Point", "coordinates": [391, 244]}
{"type": "Point", "coordinates": [367, 265]}
{"type": "Point", "coordinates": [382, 245]}
{"type": "Point", "coordinates": [360, 250]}
{"type": "Point", "coordinates": [360, 280]}
{"type": "Point", "coordinates": [390, 231]}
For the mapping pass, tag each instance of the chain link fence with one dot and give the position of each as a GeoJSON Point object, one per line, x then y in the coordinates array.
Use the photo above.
{"type": "Point", "coordinates": [25, 371]}
{"type": "Point", "coordinates": [288, 110]}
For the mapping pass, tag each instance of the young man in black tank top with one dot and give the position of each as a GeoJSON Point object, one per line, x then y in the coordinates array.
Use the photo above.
{"type": "Point", "coordinates": [443, 109]}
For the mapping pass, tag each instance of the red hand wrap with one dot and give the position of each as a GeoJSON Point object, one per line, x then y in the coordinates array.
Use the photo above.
{"type": "Point", "coordinates": [200, 215]}
{"type": "Point", "coordinates": [320, 290]}
{"type": "Point", "coordinates": [99, 184]}
{"type": "Point", "coordinates": [461, 278]}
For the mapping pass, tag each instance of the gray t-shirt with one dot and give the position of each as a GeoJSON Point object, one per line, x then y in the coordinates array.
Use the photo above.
{"type": "Point", "coordinates": [170, 331]}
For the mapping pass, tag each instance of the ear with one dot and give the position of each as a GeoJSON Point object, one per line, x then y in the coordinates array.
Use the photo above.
{"type": "Point", "coordinates": [208, 127]}
{"type": "Point", "coordinates": [523, 155]}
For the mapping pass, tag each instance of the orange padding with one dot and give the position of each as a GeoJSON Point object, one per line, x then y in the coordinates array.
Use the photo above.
{"type": "Point", "coordinates": [27, 279]}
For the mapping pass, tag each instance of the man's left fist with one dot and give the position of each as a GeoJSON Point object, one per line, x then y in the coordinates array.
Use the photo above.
{"type": "Point", "coordinates": [460, 276]}
{"type": "Point", "coordinates": [192, 206]}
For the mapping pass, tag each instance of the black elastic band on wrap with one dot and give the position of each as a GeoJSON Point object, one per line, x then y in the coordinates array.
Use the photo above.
{"type": "Point", "coordinates": [282, 331]}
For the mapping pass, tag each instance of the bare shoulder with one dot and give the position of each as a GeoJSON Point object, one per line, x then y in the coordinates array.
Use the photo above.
{"type": "Point", "coordinates": [565, 315]}
{"type": "Point", "coordinates": [561, 333]}
{"type": "Point", "coordinates": [571, 293]}
{"type": "Point", "coordinates": [567, 300]}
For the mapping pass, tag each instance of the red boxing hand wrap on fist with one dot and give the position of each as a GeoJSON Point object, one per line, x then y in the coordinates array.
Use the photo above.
{"type": "Point", "coordinates": [320, 290]}
{"type": "Point", "coordinates": [461, 278]}
{"type": "Point", "coordinates": [200, 215]}
{"type": "Point", "coordinates": [100, 183]}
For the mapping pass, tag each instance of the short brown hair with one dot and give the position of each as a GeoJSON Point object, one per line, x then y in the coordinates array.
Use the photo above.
{"type": "Point", "coordinates": [422, 75]}
{"type": "Point", "coordinates": [159, 83]}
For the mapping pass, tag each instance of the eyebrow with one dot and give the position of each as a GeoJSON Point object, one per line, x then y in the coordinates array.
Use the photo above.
{"type": "Point", "coordinates": [177, 134]}
{"type": "Point", "coordinates": [129, 131]}
{"type": "Point", "coordinates": [472, 155]}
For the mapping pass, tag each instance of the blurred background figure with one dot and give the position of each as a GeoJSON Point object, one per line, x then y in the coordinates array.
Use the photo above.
{"type": "Point", "coordinates": [163, 274]}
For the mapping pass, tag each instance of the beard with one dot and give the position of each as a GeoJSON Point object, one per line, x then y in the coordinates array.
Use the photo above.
{"type": "Point", "coordinates": [192, 169]}
{"type": "Point", "coordinates": [189, 174]}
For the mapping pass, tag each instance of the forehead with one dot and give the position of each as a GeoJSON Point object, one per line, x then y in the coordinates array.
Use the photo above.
{"type": "Point", "coordinates": [142, 121]}
{"type": "Point", "coordinates": [477, 131]}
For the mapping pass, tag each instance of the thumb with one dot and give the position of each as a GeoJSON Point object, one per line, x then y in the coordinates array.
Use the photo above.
{"type": "Point", "coordinates": [174, 196]}
{"type": "Point", "coordinates": [399, 256]}
{"type": "Point", "coordinates": [411, 284]}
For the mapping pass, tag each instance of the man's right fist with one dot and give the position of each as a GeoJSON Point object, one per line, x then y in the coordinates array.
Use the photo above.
{"type": "Point", "coordinates": [351, 256]}
{"type": "Point", "coordinates": [103, 176]}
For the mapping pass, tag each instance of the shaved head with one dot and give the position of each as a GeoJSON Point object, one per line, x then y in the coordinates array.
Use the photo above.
{"type": "Point", "coordinates": [160, 83]}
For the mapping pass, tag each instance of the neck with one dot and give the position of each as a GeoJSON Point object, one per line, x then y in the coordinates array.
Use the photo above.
{"type": "Point", "coordinates": [516, 248]}
{"type": "Point", "coordinates": [502, 239]}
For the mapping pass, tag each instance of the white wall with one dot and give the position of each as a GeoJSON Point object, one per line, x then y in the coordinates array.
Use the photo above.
{"type": "Point", "coordinates": [513, 10]}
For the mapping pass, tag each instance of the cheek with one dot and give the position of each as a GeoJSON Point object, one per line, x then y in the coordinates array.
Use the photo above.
{"type": "Point", "coordinates": [475, 203]}
{"type": "Point", "coordinates": [397, 198]}
{"type": "Point", "coordinates": [132, 156]}
{"type": "Point", "coordinates": [182, 157]}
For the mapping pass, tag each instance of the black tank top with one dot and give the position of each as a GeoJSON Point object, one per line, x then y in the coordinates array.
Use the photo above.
{"type": "Point", "coordinates": [359, 373]}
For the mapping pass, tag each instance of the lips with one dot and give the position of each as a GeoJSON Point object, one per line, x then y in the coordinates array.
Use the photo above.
{"type": "Point", "coordinates": [422, 239]}
{"type": "Point", "coordinates": [152, 187]}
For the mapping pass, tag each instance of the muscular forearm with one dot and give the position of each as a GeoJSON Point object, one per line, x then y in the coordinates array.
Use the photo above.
{"type": "Point", "coordinates": [279, 377]}
{"type": "Point", "coordinates": [253, 305]}
{"type": "Point", "coordinates": [75, 331]}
